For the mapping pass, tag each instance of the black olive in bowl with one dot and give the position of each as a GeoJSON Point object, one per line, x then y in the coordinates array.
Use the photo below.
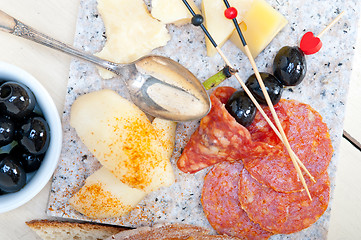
{"type": "Point", "coordinates": [12, 176]}
{"type": "Point", "coordinates": [16, 100]}
{"type": "Point", "coordinates": [7, 131]}
{"type": "Point", "coordinates": [34, 135]}
{"type": "Point", "coordinates": [29, 162]}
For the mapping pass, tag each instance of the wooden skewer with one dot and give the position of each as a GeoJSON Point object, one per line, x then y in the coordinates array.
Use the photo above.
{"type": "Point", "coordinates": [259, 108]}
{"type": "Point", "coordinates": [277, 121]}
{"type": "Point", "coordinates": [331, 24]}
{"type": "Point", "coordinates": [280, 129]}
{"type": "Point", "coordinates": [269, 103]}
{"type": "Point", "coordinates": [245, 88]}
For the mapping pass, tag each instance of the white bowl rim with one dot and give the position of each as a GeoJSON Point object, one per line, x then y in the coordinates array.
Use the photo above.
{"type": "Point", "coordinates": [44, 173]}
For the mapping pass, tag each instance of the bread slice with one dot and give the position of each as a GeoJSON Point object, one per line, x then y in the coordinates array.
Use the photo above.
{"type": "Point", "coordinates": [56, 230]}
{"type": "Point", "coordinates": [174, 231]}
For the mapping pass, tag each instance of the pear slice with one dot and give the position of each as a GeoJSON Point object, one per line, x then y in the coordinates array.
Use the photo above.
{"type": "Point", "coordinates": [105, 196]}
{"type": "Point", "coordinates": [166, 134]}
{"type": "Point", "coordinates": [260, 25]}
{"type": "Point", "coordinates": [173, 11]}
{"type": "Point", "coordinates": [131, 31]}
{"type": "Point", "coordinates": [217, 24]}
{"type": "Point", "coordinates": [122, 138]}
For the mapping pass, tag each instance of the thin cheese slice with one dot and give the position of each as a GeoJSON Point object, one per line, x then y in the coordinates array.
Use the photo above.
{"type": "Point", "coordinates": [260, 25]}
{"type": "Point", "coordinates": [123, 140]}
{"type": "Point", "coordinates": [217, 24]}
{"type": "Point", "coordinates": [131, 31]}
{"type": "Point", "coordinates": [173, 11]}
{"type": "Point", "coordinates": [104, 196]}
{"type": "Point", "coordinates": [166, 134]}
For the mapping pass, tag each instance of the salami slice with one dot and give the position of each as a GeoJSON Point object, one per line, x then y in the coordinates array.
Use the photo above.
{"type": "Point", "coordinates": [283, 212]}
{"type": "Point", "coordinates": [224, 93]}
{"type": "Point", "coordinates": [221, 204]}
{"type": "Point", "coordinates": [309, 138]}
{"type": "Point", "coordinates": [219, 138]}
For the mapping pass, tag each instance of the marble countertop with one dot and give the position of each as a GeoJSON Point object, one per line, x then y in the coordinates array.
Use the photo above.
{"type": "Point", "coordinates": [330, 104]}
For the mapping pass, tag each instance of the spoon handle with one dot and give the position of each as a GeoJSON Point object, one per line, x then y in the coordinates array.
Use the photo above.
{"type": "Point", "coordinates": [15, 27]}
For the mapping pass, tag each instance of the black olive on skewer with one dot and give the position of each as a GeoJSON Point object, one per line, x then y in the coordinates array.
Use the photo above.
{"type": "Point", "coordinates": [289, 66]}
{"type": "Point", "coordinates": [272, 84]}
{"type": "Point", "coordinates": [241, 107]}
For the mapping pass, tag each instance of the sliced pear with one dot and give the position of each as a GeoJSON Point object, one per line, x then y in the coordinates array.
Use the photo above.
{"type": "Point", "coordinates": [105, 196]}
{"type": "Point", "coordinates": [260, 25]}
{"type": "Point", "coordinates": [131, 31]}
{"type": "Point", "coordinates": [166, 134]}
{"type": "Point", "coordinates": [217, 24]}
{"type": "Point", "coordinates": [173, 11]}
{"type": "Point", "coordinates": [122, 138]}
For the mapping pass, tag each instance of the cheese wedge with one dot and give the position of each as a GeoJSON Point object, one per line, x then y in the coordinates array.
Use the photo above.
{"type": "Point", "coordinates": [173, 11]}
{"type": "Point", "coordinates": [260, 25]}
{"type": "Point", "coordinates": [105, 196]}
{"type": "Point", "coordinates": [217, 24]}
{"type": "Point", "coordinates": [131, 31]}
{"type": "Point", "coordinates": [122, 138]}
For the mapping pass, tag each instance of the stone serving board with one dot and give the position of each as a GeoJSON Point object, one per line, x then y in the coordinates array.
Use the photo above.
{"type": "Point", "coordinates": [324, 88]}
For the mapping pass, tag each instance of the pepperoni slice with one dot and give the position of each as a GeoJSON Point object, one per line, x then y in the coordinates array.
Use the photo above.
{"type": "Point", "coordinates": [221, 204]}
{"type": "Point", "coordinates": [309, 138]}
{"type": "Point", "coordinates": [283, 212]}
{"type": "Point", "coordinates": [224, 93]}
{"type": "Point", "coordinates": [219, 138]}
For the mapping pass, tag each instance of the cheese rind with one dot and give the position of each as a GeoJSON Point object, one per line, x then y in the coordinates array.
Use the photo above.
{"type": "Point", "coordinates": [173, 11]}
{"type": "Point", "coordinates": [260, 25]}
{"type": "Point", "coordinates": [131, 31]}
{"type": "Point", "coordinates": [217, 24]}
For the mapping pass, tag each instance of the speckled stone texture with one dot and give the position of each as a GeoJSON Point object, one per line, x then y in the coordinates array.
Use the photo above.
{"type": "Point", "coordinates": [324, 88]}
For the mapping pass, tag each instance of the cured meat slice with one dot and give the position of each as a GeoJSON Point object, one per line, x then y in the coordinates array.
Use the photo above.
{"type": "Point", "coordinates": [283, 212]}
{"type": "Point", "coordinates": [224, 93]}
{"type": "Point", "coordinates": [221, 204]}
{"type": "Point", "coordinates": [219, 138]}
{"type": "Point", "coordinates": [309, 138]}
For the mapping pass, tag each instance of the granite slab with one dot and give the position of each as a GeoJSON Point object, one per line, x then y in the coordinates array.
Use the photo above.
{"type": "Point", "coordinates": [324, 88]}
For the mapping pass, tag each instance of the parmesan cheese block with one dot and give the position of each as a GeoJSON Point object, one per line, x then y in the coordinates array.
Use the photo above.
{"type": "Point", "coordinates": [131, 31]}
{"type": "Point", "coordinates": [173, 11]}
{"type": "Point", "coordinates": [260, 25]}
{"type": "Point", "coordinates": [217, 24]}
{"type": "Point", "coordinates": [122, 138]}
{"type": "Point", "coordinates": [105, 196]}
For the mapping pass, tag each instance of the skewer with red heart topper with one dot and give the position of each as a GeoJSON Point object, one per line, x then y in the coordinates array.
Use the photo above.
{"type": "Point", "coordinates": [289, 66]}
{"type": "Point", "coordinates": [231, 13]}
{"type": "Point", "coordinates": [296, 55]}
{"type": "Point", "coordinates": [311, 44]}
{"type": "Point", "coordinates": [289, 70]}
{"type": "Point", "coordinates": [197, 20]}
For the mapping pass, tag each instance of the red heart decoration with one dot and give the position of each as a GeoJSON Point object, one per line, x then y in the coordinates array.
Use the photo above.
{"type": "Point", "coordinates": [310, 44]}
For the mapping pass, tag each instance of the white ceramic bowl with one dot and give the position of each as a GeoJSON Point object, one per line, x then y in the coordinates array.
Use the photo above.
{"type": "Point", "coordinates": [37, 180]}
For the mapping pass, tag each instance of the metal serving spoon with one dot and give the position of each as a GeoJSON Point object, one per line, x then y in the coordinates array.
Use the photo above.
{"type": "Point", "coordinates": [158, 85]}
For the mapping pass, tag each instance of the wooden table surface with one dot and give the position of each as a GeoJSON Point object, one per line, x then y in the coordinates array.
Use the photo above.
{"type": "Point", "coordinates": [51, 68]}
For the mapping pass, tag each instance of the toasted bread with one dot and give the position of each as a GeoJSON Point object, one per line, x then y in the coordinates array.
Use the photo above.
{"type": "Point", "coordinates": [174, 231]}
{"type": "Point", "coordinates": [55, 230]}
